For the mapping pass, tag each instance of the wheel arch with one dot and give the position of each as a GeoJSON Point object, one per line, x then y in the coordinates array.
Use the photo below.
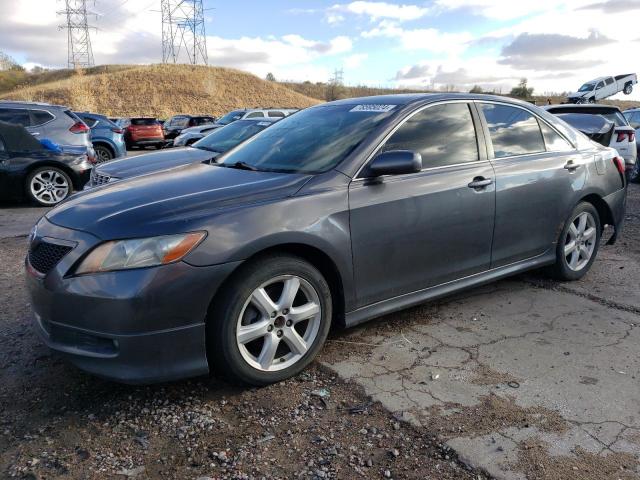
{"type": "Point", "coordinates": [316, 257]}
{"type": "Point", "coordinates": [104, 143]}
{"type": "Point", "coordinates": [604, 212]}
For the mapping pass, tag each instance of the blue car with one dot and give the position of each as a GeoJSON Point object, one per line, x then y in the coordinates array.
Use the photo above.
{"type": "Point", "coordinates": [106, 136]}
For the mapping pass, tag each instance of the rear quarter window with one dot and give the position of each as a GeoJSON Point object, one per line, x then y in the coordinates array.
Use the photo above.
{"type": "Point", "coordinates": [513, 130]}
{"type": "Point", "coordinates": [40, 117]}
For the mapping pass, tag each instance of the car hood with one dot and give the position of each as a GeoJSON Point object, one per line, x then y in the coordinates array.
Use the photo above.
{"type": "Point", "coordinates": [153, 162]}
{"type": "Point", "coordinates": [171, 201]}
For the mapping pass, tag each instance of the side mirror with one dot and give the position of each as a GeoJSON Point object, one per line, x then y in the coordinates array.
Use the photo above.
{"type": "Point", "coordinates": [395, 162]}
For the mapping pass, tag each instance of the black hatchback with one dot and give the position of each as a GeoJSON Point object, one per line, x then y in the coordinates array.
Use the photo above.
{"type": "Point", "coordinates": [28, 169]}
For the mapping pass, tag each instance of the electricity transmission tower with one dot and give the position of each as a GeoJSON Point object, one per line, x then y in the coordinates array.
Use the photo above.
{"type": "Point", "coordinates": [79, 53]}
{"type": "Point", "coordinates": [183, 34]}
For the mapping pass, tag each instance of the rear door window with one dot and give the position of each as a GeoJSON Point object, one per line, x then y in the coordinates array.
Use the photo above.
{"type": "Point", "coordinates": [40, 117]}
{"type": "Point", "coordinates": [275, 114]}
{"type": "Point", "coordinates": [18, 116]}
{"type": "Point", "coordinates": [609, 80]}
{"type": "Point", "coordinates": [255, 115]}
{"type": "Point", "coordinates": [442, 134]}
{"type": "Point", "coordinates": [513, 130]}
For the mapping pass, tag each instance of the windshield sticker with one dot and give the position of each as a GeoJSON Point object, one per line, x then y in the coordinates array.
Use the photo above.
{"type": "Point", "coordinates": [373, 108]}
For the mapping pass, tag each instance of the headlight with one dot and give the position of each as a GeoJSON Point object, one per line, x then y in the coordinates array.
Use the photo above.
{"type": "Point", "coordinates": [139, 252]}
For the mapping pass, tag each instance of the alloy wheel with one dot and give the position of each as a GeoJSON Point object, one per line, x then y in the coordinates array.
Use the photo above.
{"type": "Point", "coordinates": [49, 187]}
{"type": "Point", "coordinates": [580, 241]}
{"type": "Point", "coordinates": [278, 323]}
{"type": "Point", "coordinates": [103, 154]}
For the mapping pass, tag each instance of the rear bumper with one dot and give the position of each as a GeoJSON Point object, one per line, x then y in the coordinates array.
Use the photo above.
{"type": "Point", "coordinates": [617, 203]}
{"type": "Point", "coordinates": [147, 141]}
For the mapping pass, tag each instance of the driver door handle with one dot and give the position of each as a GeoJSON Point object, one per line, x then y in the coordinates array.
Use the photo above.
{"type": "Point", "coordinates": [480, 183]}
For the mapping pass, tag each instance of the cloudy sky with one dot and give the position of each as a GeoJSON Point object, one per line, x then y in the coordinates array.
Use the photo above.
{"type": "Point", "coordinates": [556, 44]}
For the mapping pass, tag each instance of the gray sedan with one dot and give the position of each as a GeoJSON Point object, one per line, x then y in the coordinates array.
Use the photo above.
{"type": "Point", "coordinates": [336, 215]}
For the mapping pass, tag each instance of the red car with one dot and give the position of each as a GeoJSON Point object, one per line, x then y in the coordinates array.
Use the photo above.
{"type": "Point", "coordinates": [142, 132]}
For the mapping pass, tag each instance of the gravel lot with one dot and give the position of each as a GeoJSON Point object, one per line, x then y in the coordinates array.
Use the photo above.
{"type": "Point", "coordinates": [333, 421]}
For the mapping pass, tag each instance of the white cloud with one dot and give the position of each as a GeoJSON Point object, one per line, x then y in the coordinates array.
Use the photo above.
{"type": "Point", "coordinates": [376, 11]}
{"type": "Point", "coordinates": [355, 60]}
{"type": "Point", "coordinates": [428, 39]}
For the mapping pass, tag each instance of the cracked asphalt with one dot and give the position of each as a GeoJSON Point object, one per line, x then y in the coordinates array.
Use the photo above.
{"type": "Point", "coordinates": [526, 378]}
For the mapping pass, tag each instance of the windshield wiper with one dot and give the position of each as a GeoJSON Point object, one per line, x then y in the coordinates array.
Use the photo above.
{"type": "Point", "coordinates": [242, 166]}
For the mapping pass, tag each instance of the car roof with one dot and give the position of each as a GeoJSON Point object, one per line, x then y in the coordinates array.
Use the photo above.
{"type": "Point", "coordinates": [30, 104]}
{"type": "Point", "coordinates": [585, 107]}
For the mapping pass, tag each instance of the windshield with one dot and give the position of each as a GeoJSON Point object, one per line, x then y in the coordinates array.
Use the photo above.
{"type": "Point", "coordinates": [311, 141]}
{"type": "Point", "coordinates": [587, 87]}
{"type": "Point", "coordinates": [225, 138]}
{"type": "Point", "coordinates": [144, 121]}
{"type": "Point", "coordinates": [231, 117]}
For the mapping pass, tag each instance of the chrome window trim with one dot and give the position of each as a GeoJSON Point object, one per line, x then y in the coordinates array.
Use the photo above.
{"type": "Point", "coordinates": [537, 117]}
{"type": "Point", "coordinates": [415, 112]}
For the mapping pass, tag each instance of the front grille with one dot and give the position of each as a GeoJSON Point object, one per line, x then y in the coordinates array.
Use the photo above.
{"type": "Point", "coordinates": [98, 179]}
{"type": "Point", "coordinates": [44, 256]}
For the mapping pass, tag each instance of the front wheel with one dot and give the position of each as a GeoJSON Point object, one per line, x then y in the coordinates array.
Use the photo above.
{"type": "Point", "coordinates": [578, 243]}
{"type": "Point", "coordinates": [48, 186]}
{"type": "Point", "coordinates": [270, 321]}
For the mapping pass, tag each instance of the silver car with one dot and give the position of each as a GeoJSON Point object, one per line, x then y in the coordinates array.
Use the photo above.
{"type": "Point", "coordinates": [191, 135]}
{"type": "Point", "coordinates": [42, 120]}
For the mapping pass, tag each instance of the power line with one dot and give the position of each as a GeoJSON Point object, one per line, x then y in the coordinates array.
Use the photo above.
{"type": "Point", "coordinates": [79, 52]}
{"type": "Point", "coordinates": [183, 32]}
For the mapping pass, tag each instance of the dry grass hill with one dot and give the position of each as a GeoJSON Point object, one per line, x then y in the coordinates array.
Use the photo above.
{"type": "Point", "coordinates": [165, 90]}
{"type": "Point", "coordinates": [160, 91]}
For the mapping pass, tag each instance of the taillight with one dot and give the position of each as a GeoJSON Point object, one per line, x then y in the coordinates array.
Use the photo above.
{"type": "Point", "coordinates": [79, 127]}
{"type": "Point", "coordinates": [117, 130]}
{"type": "Point", "coordinates": [619, 163]}
{"type": "Point", "coordinates": [623, 135]}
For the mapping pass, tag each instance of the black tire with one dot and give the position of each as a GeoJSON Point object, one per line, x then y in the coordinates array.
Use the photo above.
{"type": "Point", "coordinates": [103, 153]}
{"type": "Point", "coordinates": [225, 357]}
{"type": "Point", "coordinates": [57, 176]}
{"type": "Point", "coordinates": [633, 175]}
{"type": "Point", "coordinates": [561, 269]}
{"type": "Point", "coordinates": [592, 100]}
{"type": "Point", "coordinates": [628, 88]}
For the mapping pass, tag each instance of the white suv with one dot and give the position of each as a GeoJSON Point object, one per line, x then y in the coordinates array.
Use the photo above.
{"type": "Point", "coordinates": [624, 136]}
{"type": "Point", "coordinates": [243, 113]}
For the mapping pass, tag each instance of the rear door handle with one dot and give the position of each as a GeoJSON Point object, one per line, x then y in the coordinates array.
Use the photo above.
{"type": "Point", "coordinates": [571, 166]}
{"type": "Point", "coordinates": [480, 183]}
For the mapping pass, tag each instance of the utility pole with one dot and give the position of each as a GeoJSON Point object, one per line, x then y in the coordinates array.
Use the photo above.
{"type": "Point", "coordinates": [79, 52]}
{"type": "Point", "coordinates": [183, 32]}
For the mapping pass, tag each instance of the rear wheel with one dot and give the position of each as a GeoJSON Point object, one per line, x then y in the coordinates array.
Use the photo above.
{"type": "Point", "coordinates": [103, 153]}
{"type": "Point", "coordinates": [628, 88]}
{"type": "Point", "coordinates": [270, 322]}
{"type": "Point", "coordinates": [578, 243]}
{"type": "Point", "coordinates": [48, 186]}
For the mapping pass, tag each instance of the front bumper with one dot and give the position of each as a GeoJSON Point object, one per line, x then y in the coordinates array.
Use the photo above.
{"type": "Point", "coordinates": [136, 326]}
